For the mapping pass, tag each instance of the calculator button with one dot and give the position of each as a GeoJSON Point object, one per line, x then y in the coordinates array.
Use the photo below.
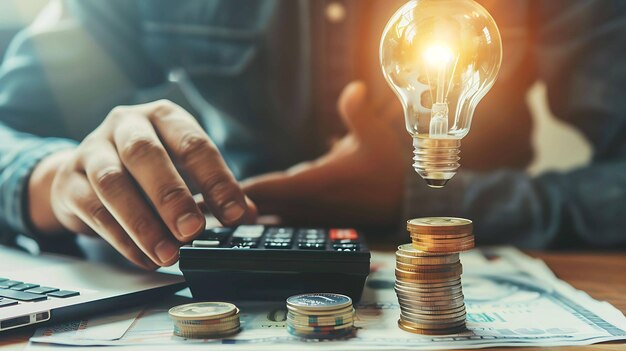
{"type": "Point", "coordinates": [239, 246]}
{"type": "Point", "coordinates": [278, 245]}
{"type": "Point", "coordinates": [345, 241]}
{"type": "Point", "coordinates": [21, 295]}
{"type": "Point", "coordinates": [272, 240]}
{"type": "Point", "coordinates": [9, 283]}
{"type": "Point", "coordinates": [312, 232]}
{"type": "Point", "coordinates": [313, 241]}
{"type": "Point", "coordinates": [346, 247]}
{"type": "Point", "coordinates": [343, 234]}
{"type": "Point", "coordinates": [7, 302]}
{"type": "Point", "coordinates": [219, 233]}
{"type": "Point", "coordinates": [245, 245]}
{"type": "Point", "coordinates": [221, 230]}
{"type": "Point", "coordinates": [279, 232]}
{"type": "Point", "coordinates": [311, 246]}
{"type": "Point", "coordinates": [249, 231]}
{"type": "Point", "coordinates": [64, 293]}
{"type": "Point", "coordinates": [42, 290]}
{"type": "Point", "coordinates": [205, 243]}
{"type": "Point", "coordinates": [24, 286]}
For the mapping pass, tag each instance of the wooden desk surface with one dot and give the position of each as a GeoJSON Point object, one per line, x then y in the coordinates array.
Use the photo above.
{"type": "Point", "coordinates": [601, 275]}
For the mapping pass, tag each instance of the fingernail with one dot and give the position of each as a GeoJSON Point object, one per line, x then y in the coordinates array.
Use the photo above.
{"type": "Point", "coordinates": [166, 251]}
{"type": "Point", "coordinates": [233, 211]}
{"type": "Point", "coordinates": [189, 224]}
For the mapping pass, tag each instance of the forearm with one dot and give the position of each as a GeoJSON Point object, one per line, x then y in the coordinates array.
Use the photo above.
{"type": "Point", "coordinates": [19, 155]}
{"type": "Point", "coordinates": [39, 206]}
{"type": "Point", "coordinates": [510, 207]}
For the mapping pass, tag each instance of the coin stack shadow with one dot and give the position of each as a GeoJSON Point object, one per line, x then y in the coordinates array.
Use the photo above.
{"type": "Point", "coordinates": [320, 316]}
{"type": "Point", "coordinates": [428, 276]}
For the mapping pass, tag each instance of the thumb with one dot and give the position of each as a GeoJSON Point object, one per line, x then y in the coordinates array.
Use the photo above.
{"type": "Point", "coordinates": [353, 107]}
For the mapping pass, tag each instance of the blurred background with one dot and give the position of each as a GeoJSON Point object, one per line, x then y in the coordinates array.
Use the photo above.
{"type": "Point", "coordinates": [557, 145]}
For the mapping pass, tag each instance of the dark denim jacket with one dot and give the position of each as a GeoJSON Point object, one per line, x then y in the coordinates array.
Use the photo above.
{"type": "Point", "coordinates": [244, 68]}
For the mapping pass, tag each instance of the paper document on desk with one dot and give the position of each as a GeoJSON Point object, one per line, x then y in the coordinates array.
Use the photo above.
{"type": "Point", "coordinates": [88, 331]}
{"type": "Point", "coordinates": [512, 300]}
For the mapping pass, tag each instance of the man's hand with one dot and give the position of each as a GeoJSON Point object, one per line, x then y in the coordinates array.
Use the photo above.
{"type": "Point", "coordinates": [359, 181]}
{"type": "Point", "coordinates": [121, 184]}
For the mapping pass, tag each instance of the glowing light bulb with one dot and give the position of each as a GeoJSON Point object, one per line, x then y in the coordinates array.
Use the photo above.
{"type": "Point", "coordinates": [440, 57]}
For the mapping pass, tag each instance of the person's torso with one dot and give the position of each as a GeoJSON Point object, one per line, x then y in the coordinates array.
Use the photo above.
{"type": "Point", "coordinates": [267, 73]}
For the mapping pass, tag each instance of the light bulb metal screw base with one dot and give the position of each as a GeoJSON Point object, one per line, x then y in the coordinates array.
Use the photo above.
{"type": "Point", "coordinates": [436, 160]}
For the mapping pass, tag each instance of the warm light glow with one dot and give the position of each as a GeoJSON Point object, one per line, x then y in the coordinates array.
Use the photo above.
{"type": "Point", "coordinates": [440, 58]}
{"type": "Point", "coordinates": [438, 55]}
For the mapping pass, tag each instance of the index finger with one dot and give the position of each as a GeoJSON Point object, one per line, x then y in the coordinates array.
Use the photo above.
{"type": "Point", "coordinates": [199, 156]}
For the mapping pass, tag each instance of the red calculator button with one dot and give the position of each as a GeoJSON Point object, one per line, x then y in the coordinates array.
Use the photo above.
{"type": "Point", "coordinates": [343, 234]}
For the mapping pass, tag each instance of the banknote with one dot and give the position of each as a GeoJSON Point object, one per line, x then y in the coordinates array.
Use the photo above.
{"type": "Point", "coordinates": [512, 300]}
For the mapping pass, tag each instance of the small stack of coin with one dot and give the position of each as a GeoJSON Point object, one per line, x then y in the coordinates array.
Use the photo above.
{"type": "Point", "coordinates": [428, 276]}
{"type": "Point", "coordinates": [320, 316]}
{"type": "Point", "coordinates": [205, 320]}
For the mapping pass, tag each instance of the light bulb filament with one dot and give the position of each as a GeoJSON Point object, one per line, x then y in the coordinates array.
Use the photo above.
{"type": "Point", "coordinates": [439, 57]}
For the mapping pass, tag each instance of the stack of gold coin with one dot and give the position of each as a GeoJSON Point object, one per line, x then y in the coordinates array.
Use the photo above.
{"type": "Point", "coordinates": [205, 320]}
{"type": "Point", "coordinates": [428, 276]}
{"type": "Point", "coordinates": [320, 316]}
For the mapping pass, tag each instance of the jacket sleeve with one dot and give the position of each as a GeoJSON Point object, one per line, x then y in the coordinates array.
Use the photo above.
{"type": "Point", "coordinates": [581, 56]}
{"type": "Point", "coordinates": [59, 79]}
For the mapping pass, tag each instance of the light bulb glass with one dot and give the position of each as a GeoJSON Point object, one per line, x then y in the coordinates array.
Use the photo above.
{"type": "Point", "coordinates": [440, 57]}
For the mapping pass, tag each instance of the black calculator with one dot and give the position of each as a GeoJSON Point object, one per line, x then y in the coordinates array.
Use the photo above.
{"type": "Point", "coordinates": [256, 262]}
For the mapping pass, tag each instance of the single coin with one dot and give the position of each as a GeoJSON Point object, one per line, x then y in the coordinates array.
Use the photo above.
{"type": "Point", "coordinates": [421, 284]}
{"type": "Point", "coordinates": [442, 249]}
{"type": "Point", "coordinates": [444, 291]}
{"type": "Point", "coordinates": [428, 269]}
{"type": "Point", "coordinates": [425, 293]}
{"type": "Point", "coordinates": [333, 320]}
{"type": "Point", "coordinates": [439, 309]}
{"type": "Point", "coordinates": [442, 242]}
{"type": "Point", "coordinates": [420, 310]}
{"type": "Point", "coordinates": [439, 224]}
{"type": "Point", "coordinates": [434, 276]}
{"type": "Point", "coordinates": [218, 328]}
{"type": "Point", "coordinates": [326, 335]}
{"type": "Point", "coordinates": [417, 289]}
{"type": "Point", "coordinates": [223, 320]}
{"type": "Point", "coordinates": [320, 324]}
{"type": "Point", "coordinates": [425, 298]}
{"type": "Point", "coordinates": [203, 310]}
{"type": "Point", "coordinates": [434, 317]}
{"type": "Point", "coordinates": [439, 321]}
{"type": "Point", "coordinates": [433, 237]}
{"type": "Point", "coordinates": [427, 261]}
{"type": "Point", "coordinates": [404, 326]}
{"type": "Point", "coordinates": [422, 303]}
{"type": "Point", "coordinates": [308, 313]}
{"type": "Point", "coordinates": [421, 297]}
{"type": "Point", "coordinates": [441, 238]}
{"type": "Point", "coordinates": [451, 269]}
{"type": "Point", "coordinates": [433, 325]}
{"type": "Point", "coordinates": [319, 301]}
{"type": "Point", "coordinates": [433, 246]}
{"type": "Point", "coordinates": [205, 335]}
{"type": "Point", "coordinates": [321, 320]}
{"type": "Point", "coordinates": [409, 250]}
{"type": "Point", "coordinates": [443, 312]}
{"type": "Point", "coordinates": [320, 329]}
